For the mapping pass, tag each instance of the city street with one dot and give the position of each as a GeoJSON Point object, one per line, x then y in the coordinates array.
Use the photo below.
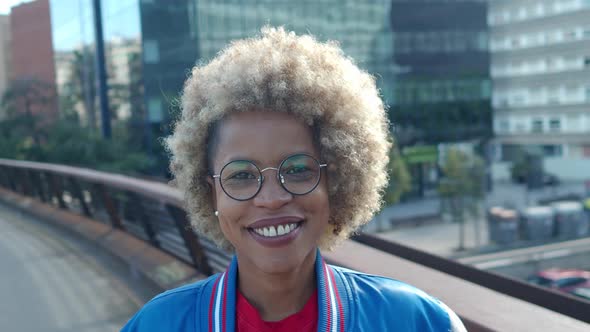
{"type": "Point", "coordinates": [441, 236]}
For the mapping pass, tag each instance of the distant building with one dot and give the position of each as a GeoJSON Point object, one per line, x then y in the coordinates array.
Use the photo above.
{"type": "Point", "coordinates": [32, 50]}
{"type": "Point", "coordinates": [362, 28]}
{"type": "Point", "coordinates": [442, 91]}
{"type": "Point", "coordinates": [541, 78]}
{"type": "Point", "coordinates": [149, 48]}
{"type": "Point", "coordinates": [5, 55]}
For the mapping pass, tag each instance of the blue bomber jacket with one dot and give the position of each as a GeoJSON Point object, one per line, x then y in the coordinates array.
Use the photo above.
{"type": "Point", "coordinates": [347, 301]}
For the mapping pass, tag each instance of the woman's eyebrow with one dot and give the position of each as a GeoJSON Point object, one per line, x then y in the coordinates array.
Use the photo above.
{"type": "Point", "coordinates": [276, 162]}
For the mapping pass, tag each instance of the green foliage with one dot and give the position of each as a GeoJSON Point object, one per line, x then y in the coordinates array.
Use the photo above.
{"type": "Point", "coordinates": [64, 141]}
{"type": "Point", "coordinates": [400, 181]}
{"type": "Point", "coordinates": [520, 169]}
{"type": "Point", "coordinates": [463, 182]}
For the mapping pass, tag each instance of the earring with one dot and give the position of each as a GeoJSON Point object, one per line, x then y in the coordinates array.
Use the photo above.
{"type": "Point", "coordinates": [216, 213]}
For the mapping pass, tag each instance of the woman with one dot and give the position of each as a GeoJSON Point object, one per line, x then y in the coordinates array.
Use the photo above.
{"type": "Point", "coordinates": [282, 149]}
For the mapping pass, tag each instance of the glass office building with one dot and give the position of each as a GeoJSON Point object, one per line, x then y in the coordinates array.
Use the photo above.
{"type": "Point", "coordinates": [442, 93]}
{"type": "Point", "coordinates": [150, 46]}
{"type": "Point", "coordinates": [361, 27]}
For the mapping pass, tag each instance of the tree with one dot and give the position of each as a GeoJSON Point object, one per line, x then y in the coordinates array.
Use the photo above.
{"type": "Point", "coordinates": [400, 181]}
{"type": "Point", "coordinates": [463, 187]}
{"type": "Point", "coordinates": [80, 88]}
{"type": "Point", "coordinates": [31, 102]}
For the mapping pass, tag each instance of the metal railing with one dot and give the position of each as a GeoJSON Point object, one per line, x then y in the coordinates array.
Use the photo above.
{"type": "Point", "coordinates": [154, 212]}
{"type": "Point", "coordinates": [147, 210]}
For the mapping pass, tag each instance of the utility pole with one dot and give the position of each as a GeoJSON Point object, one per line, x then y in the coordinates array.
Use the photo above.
{"type": "Point", "coordinates": [101, 74]}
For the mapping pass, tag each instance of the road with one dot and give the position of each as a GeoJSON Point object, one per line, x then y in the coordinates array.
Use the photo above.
{"type": "Point", "coordinates": [51, 284]}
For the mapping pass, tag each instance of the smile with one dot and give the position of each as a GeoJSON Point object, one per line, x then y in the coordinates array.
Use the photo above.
{"type": "Point", "coordinates": [275, 231]}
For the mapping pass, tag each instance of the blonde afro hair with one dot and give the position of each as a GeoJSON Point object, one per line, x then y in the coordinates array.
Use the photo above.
{"type": "Point", "coordinates": [280, 71]}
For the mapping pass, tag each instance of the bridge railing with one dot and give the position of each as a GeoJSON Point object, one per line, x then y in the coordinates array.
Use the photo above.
{"type": "Point", "coordinates": [148, 210]}
{"type": "Point", "coordinates": [154, 213]}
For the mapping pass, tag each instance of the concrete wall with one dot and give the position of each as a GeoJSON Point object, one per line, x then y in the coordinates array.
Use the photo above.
{"type": "Point", "coordinates": [569, 169]}
{"type": "Point", "coordinates": [501, 171]}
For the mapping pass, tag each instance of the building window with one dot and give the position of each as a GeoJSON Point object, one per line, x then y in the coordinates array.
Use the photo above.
{"type": "Point", "coordinates": [587, 61]}
{"type": "Point", "coordinates": [151, 53]}
{"type": "Point", "coordinates": [575, 123]}
{"type": "Point", "coordinates": [569, 35]}
{"type": "Point", "coordinates": [555, 125]}
{"type": "Point", "coordinates": [522, 14]}
{"type": "Point", "coordinates": [552, 150]}
{"type": "Point", "coordinates": [550, 64]}
{"type": "Point", "coordinates": [154, 110]}
{"type": "Point", "coordinates": [537, 126]}
{"type": "Point", "coordinates": [504, 126]}
{"type": "Point", "coordinates": [540, 9]}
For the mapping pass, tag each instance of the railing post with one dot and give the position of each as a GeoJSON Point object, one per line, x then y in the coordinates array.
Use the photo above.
{"type": "Point", "coordinates": [109, 205]}
{"type": "Point", "coordinates": [37, 183]}
{"type": "Point", "coordinates": [80, 196]}
{"type": "Point", "coordinates": [24, 180]}
{"type": "Point", "coordinates": [190, 239]}
{"type": "Point", "coordinates": [144, 219]}
{"type": "Point", "coordinates": [13, 183]}
{"type": "Point", "coordinates": [56, 190]}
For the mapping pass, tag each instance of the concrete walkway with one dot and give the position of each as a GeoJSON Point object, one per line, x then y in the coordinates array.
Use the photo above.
{"type": "Point", "coordinates": [53, 285]}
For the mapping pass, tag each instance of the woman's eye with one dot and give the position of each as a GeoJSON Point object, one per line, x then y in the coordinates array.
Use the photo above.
{"type": "Point", "coordinates": [296, 170]}
{"type": "Point", "coordinates": [242, 176]}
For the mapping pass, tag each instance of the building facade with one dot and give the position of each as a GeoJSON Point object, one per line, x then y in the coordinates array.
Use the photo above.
{"type": "Point", "coordinates": [32, 54]}
{"type": "Point", "coordinates": [151, 45]}
{"type": "Point", "coordinates": [362, 28]}
{"type": "Point", "coordinates": [442, 93]}
{"type": "Point", "coordinates": [5, 55]}
{"type": "Point", "coordinates": [541, 77]}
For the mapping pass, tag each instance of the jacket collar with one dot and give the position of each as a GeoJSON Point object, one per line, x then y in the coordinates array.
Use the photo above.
{"type": "Point", "coordinates": [331, 305]}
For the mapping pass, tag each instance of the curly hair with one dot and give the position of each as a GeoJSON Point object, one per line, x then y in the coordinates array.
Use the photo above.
{"type": "Point", "coordinates": [283, 72]}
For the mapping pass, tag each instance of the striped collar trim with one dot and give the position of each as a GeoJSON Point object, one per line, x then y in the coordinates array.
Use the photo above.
{"type": "Point", "coordinates": [331, 311]}
{"type": "Point", "coordinates": [217, 305]}
{"type": "Point", "coordinates": [222, 300]}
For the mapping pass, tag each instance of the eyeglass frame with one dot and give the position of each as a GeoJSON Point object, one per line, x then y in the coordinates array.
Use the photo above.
{"type": "Point", "coordinates": [278, 176]}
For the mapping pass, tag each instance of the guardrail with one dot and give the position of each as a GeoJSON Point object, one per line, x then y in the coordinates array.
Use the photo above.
{"type": "Point", "coordinates": [153, 212]}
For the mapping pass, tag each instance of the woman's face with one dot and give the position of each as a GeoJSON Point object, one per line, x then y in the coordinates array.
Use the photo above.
{"type": "Point", "coordinates": [266, 139]}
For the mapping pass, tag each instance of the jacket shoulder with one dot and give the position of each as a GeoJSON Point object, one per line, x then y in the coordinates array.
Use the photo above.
{"type": "Point", "coordinates": [391, 303]}
{"type": "Point", "coordinates": [172, 310]}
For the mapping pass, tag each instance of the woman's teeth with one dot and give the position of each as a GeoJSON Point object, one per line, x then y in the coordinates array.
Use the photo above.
{"type": "Point", "coordinates": [272, 231]}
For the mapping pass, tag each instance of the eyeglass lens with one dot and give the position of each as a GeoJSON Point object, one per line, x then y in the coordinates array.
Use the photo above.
{"type": "Point", "coordinates": [298, 174]}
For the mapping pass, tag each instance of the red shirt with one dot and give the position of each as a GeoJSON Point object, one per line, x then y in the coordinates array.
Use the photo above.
{"type": "Point", "coordinates": [248, 319]}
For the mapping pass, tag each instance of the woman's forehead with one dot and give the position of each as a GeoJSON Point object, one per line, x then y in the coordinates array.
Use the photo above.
{"type": "Point", "coordinates": [263, 136]}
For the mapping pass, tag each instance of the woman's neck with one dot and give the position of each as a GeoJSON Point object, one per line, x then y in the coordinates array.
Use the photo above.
{"type": "Point", "coordinates": [277, 295]}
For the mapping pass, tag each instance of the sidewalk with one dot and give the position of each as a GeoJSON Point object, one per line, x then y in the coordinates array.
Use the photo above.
{"type": "Point", "coordinates": [430, 233]}
{"type": "Point", "coordinates": [441, 239]}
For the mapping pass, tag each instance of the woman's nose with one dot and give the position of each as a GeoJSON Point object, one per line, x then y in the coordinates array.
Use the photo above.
{"type": "Point", "coordinates": [272, 195]}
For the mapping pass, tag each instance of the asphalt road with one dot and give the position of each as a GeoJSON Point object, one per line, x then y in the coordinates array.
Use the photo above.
{"type": "Point", "coordinates": [50, 284]}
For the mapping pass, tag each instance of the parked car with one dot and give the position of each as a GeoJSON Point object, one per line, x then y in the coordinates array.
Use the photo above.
{"type": "Point", "coordinates": [550, 179]}
{"type": "Point", "coordinates": [564, 280]}
{"type": "Point", "coordinates": [583, 292]}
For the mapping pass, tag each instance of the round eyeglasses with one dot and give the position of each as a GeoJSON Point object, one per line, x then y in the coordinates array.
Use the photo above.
{"type": "Point", "coordinates": [298, 174]}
